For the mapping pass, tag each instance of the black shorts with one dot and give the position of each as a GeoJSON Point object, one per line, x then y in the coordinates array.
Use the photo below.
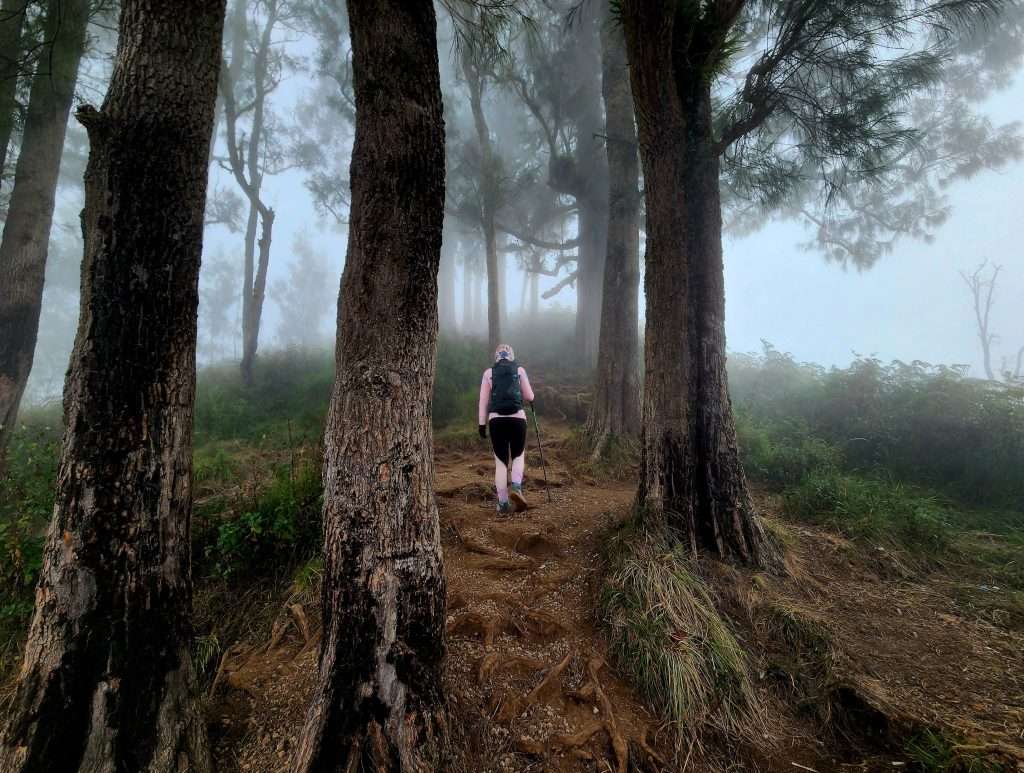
{"type": "Point", "coordinates": [508, 437]}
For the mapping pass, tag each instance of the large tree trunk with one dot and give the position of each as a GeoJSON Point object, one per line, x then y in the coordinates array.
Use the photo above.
{"type": "Point", "coordinates": [616, 408]}
{"type": "Point", "coordinates": [12, 25]}
{"type": "Point", "coordinates": [107, 685]}
{"type": "Point", "coordinates": [690, 467]}
{"type": "Point", "coordinates": [378, 704]}
{"type": "Point", "coordinates": [26, 235]}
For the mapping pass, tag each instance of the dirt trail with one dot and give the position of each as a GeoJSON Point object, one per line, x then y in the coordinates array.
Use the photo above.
{"type": "Point", "coordinates": [526, 673]}
{"type": "Point", "coordinates": [853, 653]}
{"type": "Point", "coordinates": [524, 654]}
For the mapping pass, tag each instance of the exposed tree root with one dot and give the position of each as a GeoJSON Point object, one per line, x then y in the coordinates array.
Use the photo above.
{"type": "Point", "coordinates": [619, 744]}
{"type": "Point", "coordinates": [475, 624]}
{"type": "Point", "coordinates": [541, 625]}
{"type": "Point", "coordinates": [476, 546]}
{"type": "Point", "coordinates": [493, 663]}
{"type": "Point", "coordinates": [502, 564]}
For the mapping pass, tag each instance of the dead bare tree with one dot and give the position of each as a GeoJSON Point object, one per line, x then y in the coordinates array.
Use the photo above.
{"type": "Point", "coordinates": [982, 290]}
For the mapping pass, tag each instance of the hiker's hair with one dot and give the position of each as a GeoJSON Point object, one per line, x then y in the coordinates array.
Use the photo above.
{"type": "Point", "coordinates": [504, 351]}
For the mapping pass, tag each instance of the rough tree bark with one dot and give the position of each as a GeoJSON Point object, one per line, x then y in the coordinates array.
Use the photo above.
{"type": "Point", "coordinates": [616, 408]}
{"type": "Point", "coordinates": [12, 25]}
{"type": "Point", "coordinates": [690, 467]}
{"type": "Point", "coordinates": [24, 248]}
{"type": "Point", "coordinates": [378, 704]}
{"type": "Point", "coordinates": [107, 685]}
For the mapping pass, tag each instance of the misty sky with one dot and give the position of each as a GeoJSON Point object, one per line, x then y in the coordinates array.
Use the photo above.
{"type": "Point", "coordinates": [911, 305]}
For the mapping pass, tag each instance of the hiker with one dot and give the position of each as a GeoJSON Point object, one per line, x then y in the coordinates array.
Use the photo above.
{"type": "Point", "coordinates": [502, 390]}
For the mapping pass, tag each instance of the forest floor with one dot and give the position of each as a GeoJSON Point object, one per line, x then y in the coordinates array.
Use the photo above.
{"type": "Point", "coordinates": [861, 661]}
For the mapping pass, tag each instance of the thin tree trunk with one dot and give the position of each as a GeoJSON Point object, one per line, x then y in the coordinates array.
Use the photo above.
{"type": "Point", "coordinates": [467, 298]}
{"type": "Point", "coordinates": [488, 199]}
{"type": "Point", "coordinates": [524, 293]}
{"type": "Point", "coordinates": [257, 294]}
{"type": "Point", "coordinates": [616, 408]}
{"type": "Point", "coordinates": [592, 196]}
{"type": "Point", "coordinates": [378, 704]}
{"type": "Point", "coordinates": [24, 248]}
{"type": "Point", "coordinates": [248, 274]}
{"type": "Point", "coordinates": [107, 684]}
{"type": "Point", "coordinates": [690, 468]}
{"type": "Point", "coordinates": [534, 296]}
{"type": "Point", "coordinates": [593, 234]}
{"type": "Point", "coordinates": [446, 287]}
{"type": "Point", "coordinates": [12, 25]}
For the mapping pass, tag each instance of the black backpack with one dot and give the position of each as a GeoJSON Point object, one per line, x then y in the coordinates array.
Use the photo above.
{"type": "Point", "coordinates": [506, 396]}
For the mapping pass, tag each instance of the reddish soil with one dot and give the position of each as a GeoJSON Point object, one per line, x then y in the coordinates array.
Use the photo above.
{"type": "Point", "coordinates": [531, 688]}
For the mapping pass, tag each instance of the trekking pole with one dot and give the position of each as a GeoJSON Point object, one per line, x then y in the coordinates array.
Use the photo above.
{"type": "Point", "coordinates": [536, 428]}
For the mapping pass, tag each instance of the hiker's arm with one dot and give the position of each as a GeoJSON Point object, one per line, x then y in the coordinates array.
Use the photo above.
{"type": "Point", "coordinates": [524, 386]}
{"type": "Point", "coordinates": [485, 398]}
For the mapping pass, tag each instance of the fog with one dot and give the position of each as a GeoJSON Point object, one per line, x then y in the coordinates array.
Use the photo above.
{"type": "Point", "coordinates": [912, 304]}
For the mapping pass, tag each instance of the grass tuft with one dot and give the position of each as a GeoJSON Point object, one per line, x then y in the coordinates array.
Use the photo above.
{"type": "Point", "coordinates": [669, 639]}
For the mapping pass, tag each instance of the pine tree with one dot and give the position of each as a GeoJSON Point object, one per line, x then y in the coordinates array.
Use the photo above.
{"type": "Point", "coordinates": [821, 102]}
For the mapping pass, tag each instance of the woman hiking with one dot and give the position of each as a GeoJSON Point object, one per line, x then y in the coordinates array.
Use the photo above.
{"type": "Point", "coordinates": [503, 389]}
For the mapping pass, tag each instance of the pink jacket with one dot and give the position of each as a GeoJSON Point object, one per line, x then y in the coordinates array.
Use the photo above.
{"type": "Point", "coordinates": [485, 396]}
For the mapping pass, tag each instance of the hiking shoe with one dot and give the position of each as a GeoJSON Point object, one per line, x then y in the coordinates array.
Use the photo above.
{"type": "Point", "coordinates": [515, 493]}
{"type": "Point", "coordinates": [504, 508]}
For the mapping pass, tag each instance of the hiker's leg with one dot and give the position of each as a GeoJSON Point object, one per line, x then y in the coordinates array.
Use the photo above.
{"type": "Point", "coordinates": [501, 479]}
{"type": "Point", "coordinates": [500, 445]}
{"type": "Point", "coordinates": [517, 447]}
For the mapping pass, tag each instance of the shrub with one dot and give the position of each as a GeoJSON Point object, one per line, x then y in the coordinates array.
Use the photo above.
{"type": "Point", "coordinates": [781, 453]}
{"type": "Point", "coordinates": [26, 505]}
{"type": "Point", "coordinates": [927, 424]}
{"type": "Point", "coordinates": [271, 530]}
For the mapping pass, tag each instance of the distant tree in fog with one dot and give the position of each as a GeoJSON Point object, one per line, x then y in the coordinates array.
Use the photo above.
{"type": "Point", "coordinates": [305, 298]}
{"type": "Point", "coordinates": [257, 62]}
{"type": "Point", "coordinates": [982, 291]}
{"type": "Point", "coordinates": [218, 308]}
{"type": "Point", "coordinates": [26, 234]}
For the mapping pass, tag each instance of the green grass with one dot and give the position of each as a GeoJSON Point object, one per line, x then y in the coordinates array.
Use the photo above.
{"type": "Point", "coordinates": [872, 509]}
{"type": "Point", "coordinates": [668, 638]}
{"type": "Point", "coordinates": [933, 751]}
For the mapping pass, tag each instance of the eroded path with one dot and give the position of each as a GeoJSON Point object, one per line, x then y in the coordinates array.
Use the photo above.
{"type": "Point", "coordinates": [524, 655]}
{"type": "Point", "coordinates": [527, 675]}
{"type": "Point", "coordinates": [853, 654]}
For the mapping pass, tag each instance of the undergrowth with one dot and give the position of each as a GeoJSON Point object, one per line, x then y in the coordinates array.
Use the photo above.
{"type": "Point", "coordinates": [932, 751]}
{"type": "Point", "coordinates": [668, 638]}
{"type": "Point", "coordinates": [873, 509]}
